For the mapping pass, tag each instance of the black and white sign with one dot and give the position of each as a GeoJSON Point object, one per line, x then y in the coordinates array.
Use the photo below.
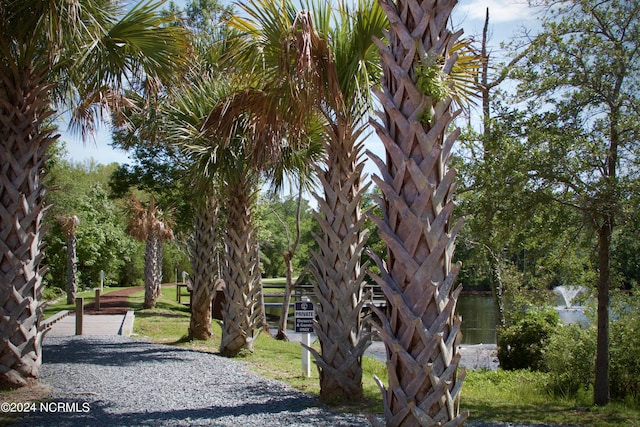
{"type": "Point", "coordinates": [304, 316]}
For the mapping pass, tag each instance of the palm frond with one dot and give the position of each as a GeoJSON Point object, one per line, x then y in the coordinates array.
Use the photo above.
{"type": "Point", "coordinates": [463, 75]}
{"type": "Point", "coordinates": [262, 26]}
{"type": "Point", "coordinates": [143, 48]}
{"type": "Point", "coordinates": [69, 224]}
{"type": "Point", "coordinates": [144, 220]}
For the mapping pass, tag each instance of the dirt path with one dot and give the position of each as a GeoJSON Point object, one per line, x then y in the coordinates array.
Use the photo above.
{"type": "Point", "coordinates": [113, 302]}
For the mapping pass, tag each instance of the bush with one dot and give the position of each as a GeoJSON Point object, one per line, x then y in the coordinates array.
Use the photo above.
{"type": "Point", "coordinates": [624, 365]}
{"type": "Point", "coordinates": [570, 354]}
{"type": "Point", "coordinates": [521, 345]}
{"type": "Point", "coordinates": [570, 359]}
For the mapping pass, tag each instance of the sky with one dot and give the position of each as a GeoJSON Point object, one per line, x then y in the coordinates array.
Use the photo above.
{"type": "Point", "coordinates": [506, 17]}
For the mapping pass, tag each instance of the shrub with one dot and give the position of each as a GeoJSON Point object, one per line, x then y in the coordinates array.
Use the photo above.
{"type": "Point", "coordinates": [570, 354]}
{"type": "Point", "coordinates": [624, 365]}
{"type": "Point", "coordinates": [521, 345]}
{"type": "Point", "coordinates": [570, 359]}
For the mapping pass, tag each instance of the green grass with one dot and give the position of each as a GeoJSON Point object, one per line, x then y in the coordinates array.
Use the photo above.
{"type": "Point", "coordinates": [275, 280]}
{"type": "Point", "coordinates": [167, 323]}
{"type": "Point", "coordinates": [519, 396]}
{"type": "Point", "coordinates": [522, 396]}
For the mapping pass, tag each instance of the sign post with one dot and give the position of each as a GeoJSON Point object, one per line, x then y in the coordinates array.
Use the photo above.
{"type": "Point", "coordinates": [304, 316]}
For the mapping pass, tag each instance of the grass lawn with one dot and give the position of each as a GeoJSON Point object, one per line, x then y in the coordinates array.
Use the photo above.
{"type": "Point", "coordinates": [519, 396]}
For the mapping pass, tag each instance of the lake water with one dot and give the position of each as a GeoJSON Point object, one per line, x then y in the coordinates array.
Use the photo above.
{"type": "Point", "coordinates": [478, 318]}
{"type": "Point", "coordinates": [477, 311]}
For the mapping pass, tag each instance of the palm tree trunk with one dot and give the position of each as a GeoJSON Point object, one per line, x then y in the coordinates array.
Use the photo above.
{"type": "Point", "coordinates": [24, 138]}
{"type": "Point", "coordinates": [157, 279]}
{"type": "Point", "coordinates": [150, 270]}
{"type": "Point", "coordinates": [242, 312]}
{"type": "Point", "coordinates": [338, 274]}
{"type": "Point", "coordinates": [203, 252]}
{"type": "Point", "coordinates": [419, 329]}
{"type": "Point", "coordinates": [72, 269]}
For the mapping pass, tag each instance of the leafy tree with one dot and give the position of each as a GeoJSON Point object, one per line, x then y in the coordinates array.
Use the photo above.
{"type": "Point", "coordinates": [286, 225]}
{"type": "Point", "coordinates": [277, 230]}
{"type": "Point", "coordinates": [581, 77]}
{"type": "Point", "coordinates": [102, 244]}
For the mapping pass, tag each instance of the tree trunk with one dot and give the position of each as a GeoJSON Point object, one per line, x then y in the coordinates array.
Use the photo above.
{"type": "Point", "coordinates": [286, 300]}
{"type": "Point", "coordinates": [605, 231]}
{"type": "Point", "coordinates": [158, 274]}
{"type": "Point", "coordinates": [150, 270]}
{"type": "Point", "coordinates": [419, 329]}
{"type": "Point", "coordinates": [338, 274]}
{"type": "Point", "coordinates": [24, 139]}
{"type": "Point", "coordinates": [203, 251]}
{"type": "Point", "coordinates": [72, 269]}
{"type": "Point", "coordinates": [601, 385]}
{"type": "Point", "coordinates": [242, 312]}
{"type": "Point", "coordinates": [288, 262]}
{"type": "Point", "coordinates": [282, 323]}
{"type": "Point", "coordinates": [497, 289]}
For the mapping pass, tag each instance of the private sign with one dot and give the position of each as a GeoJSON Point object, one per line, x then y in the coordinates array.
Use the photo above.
{"type": "Point", "coordinates": [304, 316]}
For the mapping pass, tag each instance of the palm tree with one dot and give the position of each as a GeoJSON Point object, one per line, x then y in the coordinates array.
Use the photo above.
{"type": "Point", "coordinates": [329, 54]}
{"type": "Point", "coordinates": [69, 225]}
{"type": "Point", "coordinates": [419, 328]}
{"type": "Point", "coordinates": [147, 224]}
{"type": "Point", "coordinates": [221, 168]}
{"type": "Point", "coordinates": [76, 55]}
{"type": "Point", "coordinates": [204, 254]}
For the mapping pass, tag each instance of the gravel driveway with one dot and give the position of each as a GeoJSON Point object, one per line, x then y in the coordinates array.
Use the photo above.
{"type": "Point", "coordinates": [118, 381]}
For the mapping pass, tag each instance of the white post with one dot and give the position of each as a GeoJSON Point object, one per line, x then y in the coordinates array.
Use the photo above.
{"type": "Point", "coordinates": [184, 277]}
{"type": "Point", "coordinates": [306, 355]}
{"type": "Point", "coordinates": [101, 280]}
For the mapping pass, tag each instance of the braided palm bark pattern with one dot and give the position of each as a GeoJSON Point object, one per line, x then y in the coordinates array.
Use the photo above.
{"type": "Point", "coordinates": [419, 328]}
{"type": "Point", "coordinates": [203, 254]}
{"type": "Point", "coordinates": [23, 112]}
{"type": "Point", "coordinates": [339, 277]}
{"type": "Point", "coordinates": [242, 312]}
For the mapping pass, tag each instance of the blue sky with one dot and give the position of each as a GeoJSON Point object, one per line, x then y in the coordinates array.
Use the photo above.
{"type": "Point", "coordinates": [506, 18]}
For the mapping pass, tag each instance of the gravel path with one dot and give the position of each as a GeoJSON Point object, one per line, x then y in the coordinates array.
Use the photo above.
{"type": "Point", "coordinates": [118, 381]}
